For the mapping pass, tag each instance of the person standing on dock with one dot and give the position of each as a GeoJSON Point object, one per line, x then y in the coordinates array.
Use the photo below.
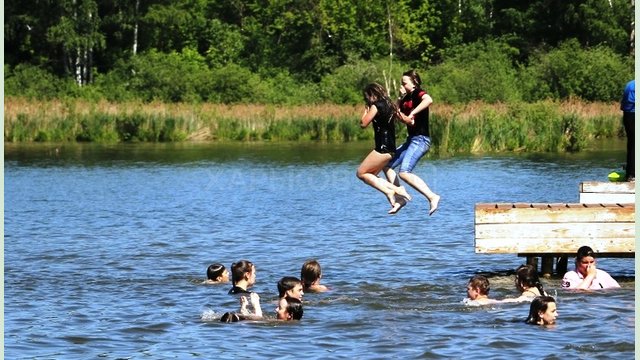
{"type": "Point", "coordinates": [628, 107]}
{"type": "Point", "coordinates": [586, 276]}
{"type": "Point", "coordinates": [414, 106]}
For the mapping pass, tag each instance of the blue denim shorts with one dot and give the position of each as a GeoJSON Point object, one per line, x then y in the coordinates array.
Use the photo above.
{"type": "Point", "coordinates": [408, 154]}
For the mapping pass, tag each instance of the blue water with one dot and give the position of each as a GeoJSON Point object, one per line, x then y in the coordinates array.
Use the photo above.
{"type": "Point", "coordinates": [106, 248]}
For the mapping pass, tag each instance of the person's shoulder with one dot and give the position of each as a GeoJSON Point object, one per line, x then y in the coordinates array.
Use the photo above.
{"type": "Point", "coordinates": [238, 290]}
{"type": "Point", "coordinates": [317, 289]}
{"type": "Point", "coordinates": [570, 278]}
{"type": "Point", "coordinates": [603, 274]}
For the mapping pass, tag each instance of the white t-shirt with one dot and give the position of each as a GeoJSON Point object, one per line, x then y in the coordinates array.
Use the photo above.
{"type": "Point", "coordinates": [603, 280]}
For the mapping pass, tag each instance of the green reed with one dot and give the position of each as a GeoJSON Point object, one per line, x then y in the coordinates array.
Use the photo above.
{"type": "Point", "coordinates": [470, 128]}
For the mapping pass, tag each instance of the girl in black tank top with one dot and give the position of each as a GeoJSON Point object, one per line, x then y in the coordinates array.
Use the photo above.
{"type": "Point", "coordinates": [381, 111]}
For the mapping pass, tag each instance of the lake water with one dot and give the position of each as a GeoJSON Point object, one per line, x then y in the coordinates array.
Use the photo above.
{"type": "Point", "coordinates": [106, 248]}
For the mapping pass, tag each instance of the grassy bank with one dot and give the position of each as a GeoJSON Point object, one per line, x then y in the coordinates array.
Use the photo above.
{"type": "Point", "coordinates": [475, 127]}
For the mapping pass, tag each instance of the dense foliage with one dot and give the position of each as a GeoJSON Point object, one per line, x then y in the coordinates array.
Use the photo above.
{"type": "Point", "coordinates": [316, 51]}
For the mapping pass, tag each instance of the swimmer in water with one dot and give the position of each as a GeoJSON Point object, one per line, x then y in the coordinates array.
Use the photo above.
{"type": "Point", "coordinates": [292, 310]}
{"type": "Point", "coordinates": [217, 274]}
{"type": "Point", "coordinates": [310, 274]}
{"type": "Point", "coordinates": [478, 291]}
{"type": "Point", "coordinates": [528, 283]}
{"type": "Point", "coordinates": [243, 276]}
{"type": "Point", "coordinates": [543, 311]}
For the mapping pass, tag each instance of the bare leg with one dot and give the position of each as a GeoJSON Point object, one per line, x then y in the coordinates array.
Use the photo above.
{"type": "Point", "coordinates": [393, 178]}
{"type": "Point", "coordinates": [368, 172]}
{"type": "Point", "coordinates": [417, 183]}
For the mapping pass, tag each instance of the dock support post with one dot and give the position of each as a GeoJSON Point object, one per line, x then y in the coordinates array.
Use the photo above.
{"type": "Point", "coordinates": [532, 260]}
{"type": "Point", "coordinates": [561, 265]}
{"type": "Point", "coordinates": [547, 266]}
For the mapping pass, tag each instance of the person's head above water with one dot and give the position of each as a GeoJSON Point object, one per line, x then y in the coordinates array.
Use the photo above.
{"type": "Point", "coordinates": [527, 277]}
{"type": "Point", "coordinates": [289, 309]}
{"type": "Point", "coordinates": [584, 258]}
{"type": "Point", "coordinates": [477, 286]}
{"type": "Point", "coordinates": [218, 273]}
{"type": "Point", "coordinates": [310, 272]}
{"type": "Point", "coordinates": [290, 287]}
{"type": "Point", "coordinates": [243, 271]}
{"type": "Point", "coordinates": [543, 311]}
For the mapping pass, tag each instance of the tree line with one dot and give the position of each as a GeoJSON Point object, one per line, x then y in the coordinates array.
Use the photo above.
{"type": "Point", "coordinates": [316, 51]}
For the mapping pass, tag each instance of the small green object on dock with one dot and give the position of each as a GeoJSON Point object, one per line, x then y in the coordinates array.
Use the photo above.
{"type": "Point", "coordinates": [617, 176]}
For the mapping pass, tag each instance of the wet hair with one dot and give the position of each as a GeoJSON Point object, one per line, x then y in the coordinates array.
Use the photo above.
{"type": "Point", "coordinates": [294, 308]}
{"type": "Point", "coordinates": [214, 271]}
{"type": "Point", "coordinates": [376, 92]}
{"type": "Point", "coordinates": [413, 75]}
{"type": "Point", "coordinates": [527, 275]}
{"type": "Point", "coordinates": [538, 305]}
{"type": "Point", "coordinates": [229, 317]}
{"type": "Point", "coordinates": [287, 283]}
{"type": "Point", "coordinates": [583, 252]}
{"type": "Point", "coordinates": [310, 272]}
{"type": "Point", "coordinates": [239, 269]}
{"type": "Point", "coordinates": [481, 283]}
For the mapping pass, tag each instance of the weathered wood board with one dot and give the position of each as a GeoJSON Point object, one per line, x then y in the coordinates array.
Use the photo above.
{"type": "Point", "coordinates": [539, 228]}
{"type": "Point", "coordinates": [594, 192]}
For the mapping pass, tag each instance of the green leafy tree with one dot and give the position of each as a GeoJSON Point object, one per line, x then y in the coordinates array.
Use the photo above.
{"type": "Point", "coordinates": [77, 34]}
{"type": "Point", "coordinates": [175, 25]}
{"type": "Point", "coordinates": [593, 74]}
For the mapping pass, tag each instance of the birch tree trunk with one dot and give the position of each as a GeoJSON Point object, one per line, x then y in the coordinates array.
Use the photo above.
{"type": "Point", "coordinates": [135, 28]}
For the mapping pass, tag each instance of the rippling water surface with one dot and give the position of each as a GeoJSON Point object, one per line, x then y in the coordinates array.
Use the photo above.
{"type": "Point", "coordinates": [106, 249]}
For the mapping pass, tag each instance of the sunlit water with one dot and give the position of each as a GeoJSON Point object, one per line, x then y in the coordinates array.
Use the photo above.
{"type": "Point", "coordinates": [106, 249]}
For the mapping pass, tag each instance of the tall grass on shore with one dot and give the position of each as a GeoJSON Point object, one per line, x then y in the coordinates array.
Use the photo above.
{"type": "Point", "coordinates": [476, 127]}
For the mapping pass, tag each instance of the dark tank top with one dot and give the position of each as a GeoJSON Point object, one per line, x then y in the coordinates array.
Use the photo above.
{"type": "Point", "coordinates": [384, 129]}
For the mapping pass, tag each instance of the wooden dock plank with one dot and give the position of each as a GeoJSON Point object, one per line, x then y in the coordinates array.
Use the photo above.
{"type": "Point", "coordinates": [595, 198]}
{"type": "Point", "coordinates": [596, 213]}
{"type": "Point", "coordinates": [539, 229]}
{"type": "Point", "coordinates": [600, 230]}
{"type": "Point", "coordinates": [608, 187]}
{"type": "Point", "coordinates": [554, 245]}
{"type": "Point", "coordinates": [593, 192]}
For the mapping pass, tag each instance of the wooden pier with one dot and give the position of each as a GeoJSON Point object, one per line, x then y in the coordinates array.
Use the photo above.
{"type": "Point", "coordinates": [596, 192]}
{"type": "Point", "coordinates": [555, 230]}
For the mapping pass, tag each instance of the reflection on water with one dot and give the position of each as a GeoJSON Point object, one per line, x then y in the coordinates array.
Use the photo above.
{"type": "Point", "coordinates": [106, 247]}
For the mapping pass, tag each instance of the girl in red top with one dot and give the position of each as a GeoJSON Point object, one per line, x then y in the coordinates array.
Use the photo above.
{"type": "Point", "coordinates": [414, 107]}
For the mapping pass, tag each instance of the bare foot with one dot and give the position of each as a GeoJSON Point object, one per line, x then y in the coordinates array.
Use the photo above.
{"type": "Point", "coordinates": [403, 192]}
{"type": "Point", "coordinates": [434, 204]}
{"type": "Point", "coordinates": [392, 200]}
{"type": "Point", "coordinates": [399, 205]}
